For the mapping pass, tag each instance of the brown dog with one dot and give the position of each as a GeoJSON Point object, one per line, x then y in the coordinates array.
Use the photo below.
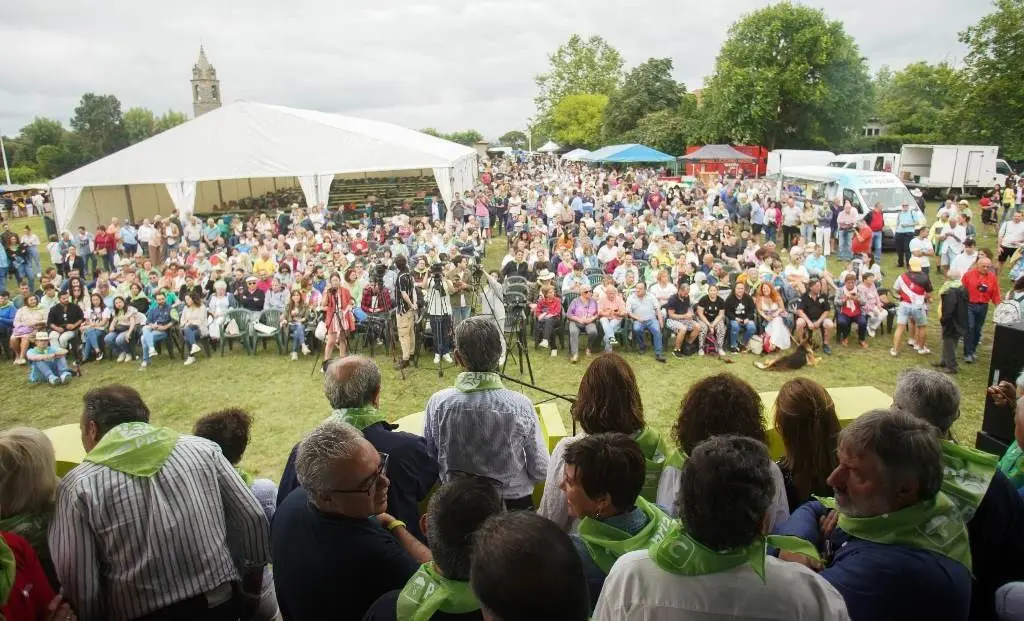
{"type": "Point", "coordinates": [803, 356]}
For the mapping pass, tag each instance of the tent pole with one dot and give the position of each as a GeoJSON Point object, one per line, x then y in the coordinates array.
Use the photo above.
{"type": "Point", "coordinates": [274, 181]}
{"type": "Point", "coordinates": [220, 194]}
{"type": "Point", "coordinates": [250, 187]}
{"type": "Point", "coordinates": [128, 199]}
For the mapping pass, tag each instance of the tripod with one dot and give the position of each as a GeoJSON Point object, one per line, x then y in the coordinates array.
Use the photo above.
{"type": "Point", "coordinates": [515, 324]}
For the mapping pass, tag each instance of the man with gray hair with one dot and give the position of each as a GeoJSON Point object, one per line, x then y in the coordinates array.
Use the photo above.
{"type": "Point", "coordinates": [953, 318]}
{"type": "Point", "coordinates": [890, 542]}
{"type": "Point", "coordinates": [482, 428]}
{"type": "Point", "coordinates": [335, 549]}
{"type": "Point", "coordinates": [352, 387]}
{"type": "Point", "coordinates": [988, 501]}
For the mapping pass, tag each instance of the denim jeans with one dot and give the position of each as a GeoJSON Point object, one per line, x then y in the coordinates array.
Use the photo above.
{"type": "Point", "coordinates": [441, 327]}
{"type": "Point", "coordinates": [460, 314]}
{"type": "Point", "coordinates": [298, 335]}
{"type": "Point", "coordinates": [845, 239]}
{"type": "Point", "coordinates": [45, 369]}
{"type": "Point", "coordinates": [150, 338]}
{"type": "Point", "coordinates": [806, 231]}
{"type": "Point", "coordinates": [651, 325]}
{"type": "Point", "coordinates": [976, 314]}
{"type": "Point", "coordinates": [117, 342]}
{"type": "Point", "coordinates": [92, 341]}
{"type": "Point", "coordinates": [769, 233]}
{"type": "Point", "coordinates": [33, 260]}
{"type": "Point", "coordinates": [191, 334]}
{"type": "Point", "coordinates": [749, 329]}
{"type": "Point", "coordinates": [844, 325]}
{"type": "Point", "coordinates": [876, 245]}
{"type": "Point", "coordinates": [609, 327]}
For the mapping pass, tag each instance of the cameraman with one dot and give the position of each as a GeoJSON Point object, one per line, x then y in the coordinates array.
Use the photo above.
{"type": "Point", "coordinates": [460, 279]}
{"type": "Point", "coordinates": [436, 295]}
{"type": "Point", "coordinates": [376, 298]}
{"type": "Point", "coordinates": [407, 305]}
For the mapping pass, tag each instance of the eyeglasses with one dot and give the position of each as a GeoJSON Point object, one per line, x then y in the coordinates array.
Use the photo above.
{"type": "Point", "coordinates": [370, 482]}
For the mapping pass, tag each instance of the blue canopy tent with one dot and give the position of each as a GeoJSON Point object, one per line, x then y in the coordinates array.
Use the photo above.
{"type": "Point", "coordinates": [628, 153]}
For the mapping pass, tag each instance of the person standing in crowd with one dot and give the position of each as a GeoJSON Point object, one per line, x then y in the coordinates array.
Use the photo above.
{"type": "Point", "coordinates": [582, 317]}
{"type": "Point", "coordinates": [909, 220]}
{"type": "Point", "coordinates": [994, 515]}
{"type": "Point", "coordinates": [805, 419]}
{"type": "Point", "coordinates": [552, 587]}
{"type": "Point", "coordinates": [982, 285]}
{"type": "Point", "coordinates": [341, 506]}
{"type": "Point", "coordinates": [602, 480]}
{"type": "Point", "coordinates": [887, 488]}
{"type": "Point", "coordinates": [337, 304]}
{"type": "Point", "coordinates": [953, 315]}
{"type": "Point", "coordinates": [713, 562]}
{"type": "Point", "coordinates": [913, 290]}
{"type": "Point", "coordinates": [440, 590]}
{"type": "Point", "coordinates": [482, 428]}
{"type": "Point", "coordinates": [1011, 237]}
{"type": "Point", "coordinates": [644, 311]}
{"type": "Point", "coordinates": [407, 304]}
{"type": "Point", "coordinates": [352, 386]}
{"type": "Point", "coordinates": [192, 511]}
{"type": "Point", "coordinates": [460, 279]}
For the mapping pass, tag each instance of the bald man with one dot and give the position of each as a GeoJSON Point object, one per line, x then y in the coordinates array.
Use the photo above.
{"type": "Point", "coordinates": [352, 387]}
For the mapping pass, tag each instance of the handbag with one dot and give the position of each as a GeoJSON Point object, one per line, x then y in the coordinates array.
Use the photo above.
{"type": "Point", "coordinates": [231, 329]}
{"type": "Point", "coordinates": [756, 344]}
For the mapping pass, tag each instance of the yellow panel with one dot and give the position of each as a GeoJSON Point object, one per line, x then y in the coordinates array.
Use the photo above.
{"type": "Point", "coordinates": [67, 445]}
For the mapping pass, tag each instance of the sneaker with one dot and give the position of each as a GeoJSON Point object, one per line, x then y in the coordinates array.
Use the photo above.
{"type": "Point", "coordinates": [554, 352]}
{"type": "Point", "coordinates": [153, 352]}
{"type": "Point", "coordinates": [871, 332]}
{"type": "Point", "coordinates": [437, 358]}
{"type": "Point", "coordinates": [924, 350]}
{"type": "Point", "coordinates": [969, 359]}
{"type": "Point", "coordinates": [54, 380]}
{"type": "Point", "coordinates": [912, 343]}
{"type": "Point", "coordinates": [574, 359]}
{"type": "Point", "coordinates": [65, 378]}
{"type": "Point", "coordinates": [99, 356]}
{"type": "Point", "coordinates": [448, 359]}
{"type": "Point", "coordinates": [195, 349]}
{"type": "Point", "coordinates": [826, 349]}
{"type": "Point", "coordinates": [295, 356]}
{"type": "Point", "coordinates": [677, 353]}
{"type": "Point", "coordinates": [190, 360]}
{"type": "Point", "coordinates": [543, 343]}
{"type": "Point", "coordinates": [143, 366]}
{"type": "Point", "coordinates": [20, 362]}
{"type": "Point", "coordinates": [305, 349]}
{"type": "Point", "coordinates": [613, 341]}
{"type": "Point", "coordinates": [893, 352]}
{"type": "Point", "coordinates": [660, 359]}
{"type": "Point", "coordinates": [700, 352]}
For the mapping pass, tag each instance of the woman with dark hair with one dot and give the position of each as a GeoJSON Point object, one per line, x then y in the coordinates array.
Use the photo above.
{"type": "Point", "coordinates": [805, 418]}
{"type": "Point", "coordinates": [602, 479]}
{"type": "Point", "coordinates": [608, 401]}
{"type": "Point", "coordinates": [717, 405]}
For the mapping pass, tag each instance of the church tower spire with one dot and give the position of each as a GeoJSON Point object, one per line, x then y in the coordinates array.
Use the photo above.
{"type": "Point", "coordinates": [205, 86]}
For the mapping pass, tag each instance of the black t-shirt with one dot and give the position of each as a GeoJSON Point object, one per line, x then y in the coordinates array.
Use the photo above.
{"type": "Point", "coordinates": [678, 305]}
{"type": "Point", "coordinates": [251, 300]}
{"type": "Point", "coordinates": [386, 609]}
{"type": "Point", "coordinates": [814, 306]}
{"type": "Point", "coordinates": [60, 315]}
{"type": "Point", "coordinates": [332, 567]}
{"type": "Point", "coordinates": [711, 307]}
{"type": "Point", "coordinates": [739, 308]}
{"type": "Point", "coordinates": [405, 284]}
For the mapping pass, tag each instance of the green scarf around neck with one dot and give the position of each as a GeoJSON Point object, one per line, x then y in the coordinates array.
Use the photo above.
{"type": "Point", "coordinates": [7, 571]}
{"type": "Point", "coordinates": [428, 592]}
{"type": "Point", "coordinates": [933, 525]}
{"type": "Point", "coordinates": [676, 458]}
{"type": "Point", "coordinates": [360, 418]}
{"type": "Point", "coordinates": [966, 476]}
{"type": "Point", "coordinates": [1012, 464]}
{"type": "Point", "coordinates": [138, 449]}
{"type": "Point", "coordinates": [656, 455]}
{"type": "Point", "coordinates": [949, 284]}
{"type": "Point", "coordinates": [33, 527]}
{"type": "Point", "coordinates": [607, 543]}
{"type": "Point", "coordinates": [469, 381]}
{"type": "Point", "coordinates": [681, 554]}
{"type": "Point", "coordinates": [247, 478]}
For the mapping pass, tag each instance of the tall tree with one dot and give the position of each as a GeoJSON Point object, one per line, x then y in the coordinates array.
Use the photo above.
{"type": "Point", "coordinates": [98, 119]}
{"type": "Point", "coordinates": [993, 105]}
{"type": "Point", "coordinates": [430, 131]}
{"type": "Point", "coordinates": [647, 88]}
{"type": "Point", "coordinates": [788, 77]}
{"type": "Point", "coordinates": [576, 119]}
{"type": "Point", "coordinates": [669, 130]}
{"type": "Point", "coordinates": [40, 132]}
{"type": "Point", "coordinates": [515, 139]}
{"type": "Point", "coordinates": [467, 137]}
{"type": "Point", "coordinates": [139, 124]}
{"type": "Point", "coordinates": [579, 66]}
{"type": "Point", "coordinates": [921, 100]}
{"type": "Point", "coordinates": [170, 119]}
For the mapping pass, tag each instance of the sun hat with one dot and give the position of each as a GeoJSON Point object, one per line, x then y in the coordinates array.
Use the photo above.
{"type": "Point", "coordinates": [544, 275]}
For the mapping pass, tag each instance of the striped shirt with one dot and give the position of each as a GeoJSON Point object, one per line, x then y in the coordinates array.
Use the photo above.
{"type": "Point", "coordinates": [125, 546]}
{"type": "Point", "coordinates": [493, 433]}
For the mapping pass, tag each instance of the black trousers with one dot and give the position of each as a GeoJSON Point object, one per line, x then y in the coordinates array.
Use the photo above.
{"type": "Point", "coordinates": [903, 248]}
{"type": "Point", "coordinates": [196, 609]}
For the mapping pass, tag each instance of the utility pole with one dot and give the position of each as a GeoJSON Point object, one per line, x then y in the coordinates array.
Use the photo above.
{"type": "Point", "coordinates": [3, 151]}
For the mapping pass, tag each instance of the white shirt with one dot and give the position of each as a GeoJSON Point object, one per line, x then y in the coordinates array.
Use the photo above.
{"type": "Point", "coordinates": [963, 262]}
{"type": "Point", "coordinates": [924, 246]}
{"type": "Point", "coordinates": [955, 242]}
{"type": "Point", "coordinates": [607, 253]}
{"type": "Point", "coordinates": [638, 589]}
{"type": "Point", "coordinates": [1011, 234]}
{"type": "Point", "coordinates": [668, 491]}
{"type": "Point", "coordinates": [662, 292]}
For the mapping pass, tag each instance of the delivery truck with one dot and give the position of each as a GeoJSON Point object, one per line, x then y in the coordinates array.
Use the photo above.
{"type": "Point", "coordinates": [877, 162]}
{"type": "Point", "coordinates": [938, 170]}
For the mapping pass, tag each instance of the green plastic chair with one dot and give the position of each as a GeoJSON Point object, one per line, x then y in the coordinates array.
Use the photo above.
{"type": "Point", "coordinates": [243, 319]}
{"type": "Point", "coordinates": [271, 319]}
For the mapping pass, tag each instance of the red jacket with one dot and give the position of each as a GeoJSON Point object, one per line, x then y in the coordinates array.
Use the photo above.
{"type": "Point", "coordinates": [973, 280]}
{"type": "Point", "coordinates": [875, 220]}
{"type": "Point", "coordinates": [32, 592]}
{"type": "Point", "coordinates": [105, 240]}
{"type": "Point", "coordinates": [551, 306]}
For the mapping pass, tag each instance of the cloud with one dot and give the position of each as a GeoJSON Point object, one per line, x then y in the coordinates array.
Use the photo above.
{"type": "Point", "coordinates": [441, 63]}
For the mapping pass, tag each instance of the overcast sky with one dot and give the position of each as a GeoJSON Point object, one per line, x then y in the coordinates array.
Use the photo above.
{"type": "Point", "coordinates": [440, 63]}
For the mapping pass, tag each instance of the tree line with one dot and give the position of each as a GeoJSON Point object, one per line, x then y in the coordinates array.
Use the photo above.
{"type": "Point", "coordinates": [45, 149]}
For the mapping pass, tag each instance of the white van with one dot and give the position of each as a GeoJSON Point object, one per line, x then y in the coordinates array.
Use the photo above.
{"type": "Point", "coordinates": [878, 162]}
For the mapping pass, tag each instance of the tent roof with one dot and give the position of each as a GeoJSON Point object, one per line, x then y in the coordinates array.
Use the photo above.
{"type": "Point", "coordinates": [717, 153]}
{"type": "Point", "coordinates": [246, 140]}
{"type": "Point", "coordinates": [628, 153]}
{"type": "Point", "coordinates": [576, 155]}
{"type": "Point", "coordinates": [549, 147]}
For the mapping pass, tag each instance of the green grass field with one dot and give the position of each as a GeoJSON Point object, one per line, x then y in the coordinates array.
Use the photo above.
{"type": "Point", "coordinates": [286, 399]}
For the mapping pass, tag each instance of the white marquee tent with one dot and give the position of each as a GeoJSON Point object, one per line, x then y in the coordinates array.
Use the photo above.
{"type": "Point", "coordinates": [549, 147]}
{"type": "Point", "coordinates": [249, 149]}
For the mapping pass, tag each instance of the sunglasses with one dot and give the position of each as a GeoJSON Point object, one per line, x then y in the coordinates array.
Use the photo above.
{"type": "Point", "coordinates": [370, 484]}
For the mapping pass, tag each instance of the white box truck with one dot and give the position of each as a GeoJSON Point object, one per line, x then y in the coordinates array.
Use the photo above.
{"type": "Point", "coordinates": [784, 158]}
{"type": "Point", "coordinates": [940, 169]}
{"type": "Point", "coordinates": [877, 162]}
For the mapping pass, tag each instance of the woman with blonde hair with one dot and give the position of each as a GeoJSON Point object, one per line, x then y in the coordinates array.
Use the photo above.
{"type": "Point", "coordinates": [805, 419]}
{"type": "Point", "coordinates": [28, 487]}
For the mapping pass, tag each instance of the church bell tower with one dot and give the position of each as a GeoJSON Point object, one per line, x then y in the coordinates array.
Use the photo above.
{"type": "Point", "coordinates": [205, 86]}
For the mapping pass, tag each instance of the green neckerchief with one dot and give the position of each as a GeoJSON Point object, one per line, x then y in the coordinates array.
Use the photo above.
{"type": "Point", "coordinates": [138, 449]}
{"type": "Point", "coordinates": [676, 459]}
{"type": "Point", "coordinates": [246, 477]}
{"type": "Point", "coordinates": [966, 475]}
{"type": "Point", "coordinates": [681, 554]}
{"type": "Point", "coordinates": [1012, 464]}
{"type": "Point", "coordinates": [949, 284]}
{"type": "Point", "coordinates": [933, 525]}
{"type": "Point", "coordinates": [607, 543]}
{"type": "Point", "coordinates": [469, 381]}
{"type": "Point", "coordinates": [32, 526]}
{"type": "Point", "coordinates": [7, 570]}
{"type": "Point", "coordinates": [656, 452]}
{"type": "Point", "coordinates": [428, 592]}
{"type": "Point", "coordinates": [360, 418]}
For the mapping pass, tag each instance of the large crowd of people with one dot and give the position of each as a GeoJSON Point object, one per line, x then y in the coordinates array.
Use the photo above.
{"type": "Point", "coordinates": [624, 258]}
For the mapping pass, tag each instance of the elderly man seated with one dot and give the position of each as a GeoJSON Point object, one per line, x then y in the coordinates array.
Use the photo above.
{"type": "Point", "coordinates": [643, 310]}
{"type": "Point", "coordinates": [891, 542]}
